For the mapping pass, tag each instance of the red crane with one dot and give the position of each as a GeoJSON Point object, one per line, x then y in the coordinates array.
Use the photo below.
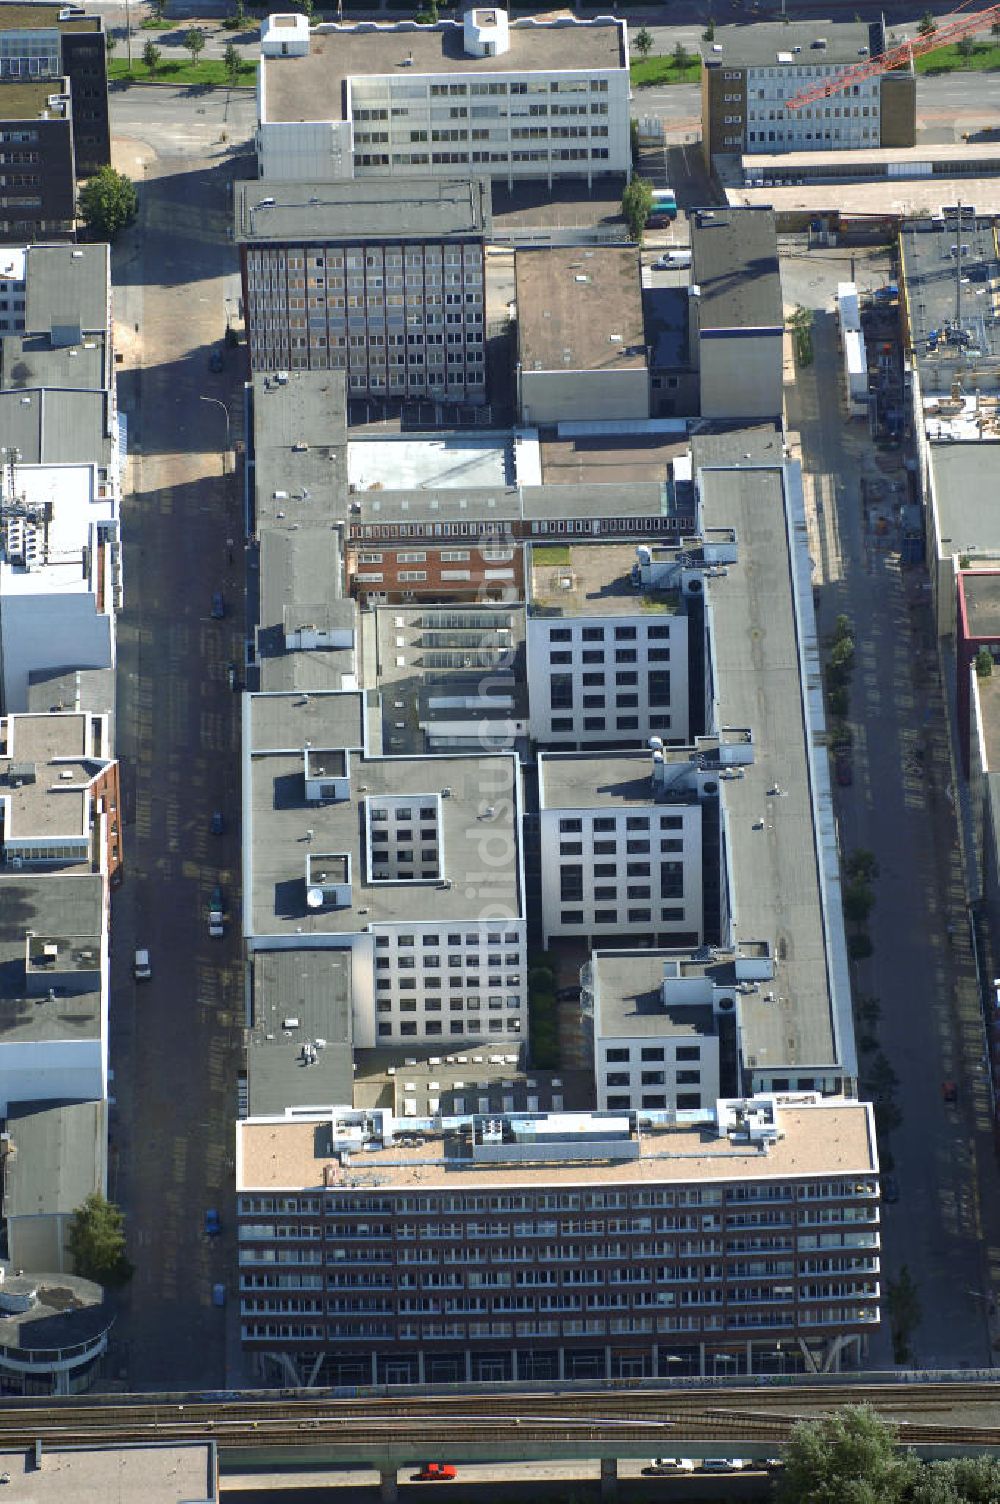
{"type": "Point", "coordinates": [895, 57]}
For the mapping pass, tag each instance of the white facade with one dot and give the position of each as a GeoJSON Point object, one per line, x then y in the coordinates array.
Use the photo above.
{"type": "Point", "coordinates": [512, 122]}
{"type": "Point", "coordinates": [53, 1070]}
{"type": "Point", "coordinates": [59, 573]}
{"type": "Point", "coordinates": [632, 870]}
{"type": "Point", "coordinates": [610, 679]}
{"type": "Point", "coordinates": [846, 120]}
{"type": "Point", "coordinates": [460, 981]}
{"type": "Point", "coordinates": [668, 1070]}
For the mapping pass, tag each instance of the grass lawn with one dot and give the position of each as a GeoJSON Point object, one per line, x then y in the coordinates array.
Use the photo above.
{"type": "Point", "coordinates": [664, 70]}
{"type": "Point", "coordinates": [984, 55]}
{"type": "Point", "coordinates": [550, 553]}
{"type": "Point", "coordinates": [152, 24]}
{"type": "Point", "coordinates": [210, 71]}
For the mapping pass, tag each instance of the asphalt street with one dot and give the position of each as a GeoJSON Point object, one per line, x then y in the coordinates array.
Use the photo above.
{"type": "Point", "coordinates": [945, 1224]}
{"type": "Point", "coordinates": [175, 1039]}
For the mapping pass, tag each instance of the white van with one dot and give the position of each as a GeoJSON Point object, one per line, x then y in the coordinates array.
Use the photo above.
{"type": "Point", "coordinates": [671, 259]}
{"type": "Point", "coordinates": [141, 969]}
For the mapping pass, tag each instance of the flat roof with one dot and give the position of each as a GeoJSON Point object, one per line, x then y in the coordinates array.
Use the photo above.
{"type": "Point", "coordinates": [776, 894]}
{"type": "Point", "coordinates": [29, 101]}
{"type": "Point", "coordinates": [989, 706]}
{"type": "Point", "coordinates": [604, 780]}
{"type": "Point", "coordinates": [929, 249]}
{"type": "Point", "coordinates": [300, 451]}
{"type": "Point", "coordinates": [827, 1137]}
{"type": "Point", "coordinates": [362, 209]}
{"type": "Point", "coordinates": [592, 579]}
{"type": "Point", "coordinates": [761, 45]}
{"type": "Point", "coordinates": [964, 477]}
{"type": "Point", "coordinates": [55, 800]}
{"type": "Point", "coordinates": [17, 17]}
{"type": "Point", "coordinates": [489, 1077]}
{"type": "Point", "coordinates": [31, 360]}
{"type": "Point", "coordinates": [61, 1151]}
{"type": "Point", "coordinates": [734, 261]}
{"type": "Point", "coordinates": [629, 994]}
{"type": "Point", "coordinates": [314, 87]}
{"type": "Point", "coordinates": [52, 426]}
{"type": "Point", "coordinates": [980, 590]}
{"type": "Point", "coordinates": [299, 997]}
{"type": "Point", "coordinates": [65, 1311]}
{"type": "Point", "coordinates": [89, 689]}
{"type": "Point", "coordinates": [513, 503]}
{"type": "Point", "coordinates": [884, 199]}
{"type": "Point", "coordinates": [596, 459]}
{"type": "Point", "coordinates": [63, 907]}
{"type": "Point", "coordinates": [67, 285]}
{"type": "Point", "coordinates": [579, 309]}
{"type": "Point", "coordinates": [444, 461]}
{"type": "Point", "coordinates": [281, 829]}
{"type": "Point", "coordinates": [167, 1473]}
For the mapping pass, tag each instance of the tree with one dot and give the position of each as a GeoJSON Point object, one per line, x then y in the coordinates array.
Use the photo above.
{"type": "Point", "coordinates": [151, 56]}
{"type": "Point", "coordinates": [643, 42]}
{"type": "Point", "coordinates": [708, 35]}
{"type": "Point", "coordinates": [984, 663]}
{"type": "Point", "coordinates": [966, 47]}
{"type": "Point", "coordinates": [960, 1480]}
{"type": "Point", "coordinates": [927, 25]}
{"type": "Point", "coordinates": [97, 1242]}
{"type": "Point", "coordinates": [682, 58]}
{"type": "Point", "coordinates": [231, 63]}
{"type": "Point", "coordinates": [110, 42]}
{"type": "Point", "coordinates": [637, 200]}
{"type": "Point", "coordinates": [194, 41]}
{"type": "Point", "coordinates": [160, 8]}
{"type": "Point", "coordinates": [108, 202]}
{"type": "Point", "coordinates": [307, 8]}
{"type": "Point", "coordinates": [904, 1313]}
{"type": "Point", "coordinates": [995, 28]}
{"type": "Point", "coordinates": [847, 1455]}
{"type": "Point", "coordinates": [859, 900]}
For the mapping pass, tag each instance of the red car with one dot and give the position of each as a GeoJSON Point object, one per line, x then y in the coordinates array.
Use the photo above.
{"type": "Point", "coordinates": [949, 1090]}
{"type": "Point", "coordinates": [437, 1472]}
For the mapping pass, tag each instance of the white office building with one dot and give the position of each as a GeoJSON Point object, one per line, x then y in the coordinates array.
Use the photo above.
{"type": "Point", "coordinates": [607, 655]}
{"type": "Point", "coordinates": [413, 864]}
{"type": "Point", "coordinates": [487, 96]}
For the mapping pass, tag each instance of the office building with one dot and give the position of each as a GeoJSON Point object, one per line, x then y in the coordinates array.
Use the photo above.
{"type": "Point", "coordinates": [581, 349]}
{"type": "Point", "coordinates": [750, 72]}
{"type": "Point", "coordinates": [483, 96]}
{"type": "Point", "coordinates": [737, 321]}
{"type": "Point", "coordinates": [37, 174]}
{"type": "Point", "coordinates": [607, 659]}
{"type": "Point", "coordinates": [630, 842]}
{"type": "Point", "coordinates": [742, 1238]}
{"type": "Point", "coordinates": [46, 39]}
{"type": "Point", "coordinates": [383, 280]}
{"type": "Point", "coordinates": [412, 864]}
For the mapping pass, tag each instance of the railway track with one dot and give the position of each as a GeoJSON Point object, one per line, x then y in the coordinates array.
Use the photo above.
{"type": "Point", "coordinates": [931, 1414]}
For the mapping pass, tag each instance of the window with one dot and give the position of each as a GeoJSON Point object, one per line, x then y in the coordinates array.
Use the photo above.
{"type": "Point", "coordinates": [689, 1078]}
{"type": "Point", "coordinates": [672, 879]}
{"type": "Point", "coordinates": [688, 1052]}
{"type": "Point", "coordinates": [561, 692]}
{"type": "Point", "coordinates": [616, 1057]}
{"type": "Point", "coordinates": [571, 916]}
{"type": "Point", "coordinates": [651, 1053]}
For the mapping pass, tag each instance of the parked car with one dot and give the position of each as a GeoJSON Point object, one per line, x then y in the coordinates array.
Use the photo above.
{"type": "Point", "coordinates": [723, 1464]}
{"type": "Point", "coordinates": [949, 1090]}
{"type": "Point", "coordinates": [218, 605]}
{"type": "Point", "coordinates": [774, 1464]}
{"type": "Point", "coordinates": [218, 822]}
{"type": "Point", "coordinates": [568, 995]}
{"type": "Point", "coordinates": [672, 259]}
{"type": "Point", "coordinates": [141, 969]}
{"type": "Point", "coordinates": [890, 1189]}
{"type": "Point", "coordinates": [216, 361]}
{"type": "Point", "coordinates": [212, 1224]}
{"type": "Point", "coordinates": [663, 1466]}
{"type": "Point", "coordinates": [437, 1472]}
{"type": "Point", "coordinates": [231, 676]}
{"type": "Point", "coordinates": [215, 914]}
{"type": "Point", "coordinates": [843, 770]}
{"type": "Point", "coordinates": [218, 1295]}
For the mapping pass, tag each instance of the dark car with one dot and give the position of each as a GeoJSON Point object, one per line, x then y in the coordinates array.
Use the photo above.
{"type": "Point", "coordinates": [843, 770]}
{"type": "Point", "coordinates": [213, 1226]}
{"type": "Point", "coordinates": [218, 823]}
{"type": "Point", "coordinates": [218, 605]}
{"type": "Point", "coordinates": [890, 1189]}
{"type": "Point", "coordinates": [568, 995]}
{"type": "Point", "coordinates": [949, 1090]}
{"type": "Point", "coordinates": [216, 361]}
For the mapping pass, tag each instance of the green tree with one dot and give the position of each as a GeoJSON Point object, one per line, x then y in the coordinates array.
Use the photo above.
{"type": "Point", "coordinates": [682, 58]}
{"type": "Point", "coordinates": [927, 25]}
{"type": "Point", "coordinates": [637, 200]}
{"type": "Point", "coordinates": [97, 1242]}
{"type": "Point", "coordinates": [159, 8]}
{"type": "Point", "coordinates": [984, 663]}
{"type": "Point", "coordinates": [966, 47]}
{"type": "Point", "coordinates": [708, 35]}
{"type": "Point", "coordinates": [194, 41]}
{"type": "Point", "coordinates": [110, 42]}
{"type": "Point", "coordinates": [643, 42]}
{"type": "Point", "coordinates": [308, 9]}
{"type": "Point", "coordinates": [108, 202]}
{"type": "Point", "coordinates": [859, 900]}
{"type": "Point", "coordinates": [151, 56]}
{"type": "Point", "coordinates": [862, 865]}
{"type": "Point", "coordinates": [960, 1480]}
{"type": "Point", "coordinates": [904, 1313]}
{"type": "Point", "coordinates": [842, 627]}
{"type": "Point", "coordinates": [849, 1455]}
{"type": "Point", "coordinates": [231, 63]}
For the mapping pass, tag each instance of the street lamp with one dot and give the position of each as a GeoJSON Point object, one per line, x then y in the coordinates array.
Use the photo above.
{"type": "Point", "coordinates": [217, 402]}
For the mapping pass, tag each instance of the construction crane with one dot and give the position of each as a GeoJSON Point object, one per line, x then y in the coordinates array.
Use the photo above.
{"type": "Point", "coordinates": [949, 31]}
